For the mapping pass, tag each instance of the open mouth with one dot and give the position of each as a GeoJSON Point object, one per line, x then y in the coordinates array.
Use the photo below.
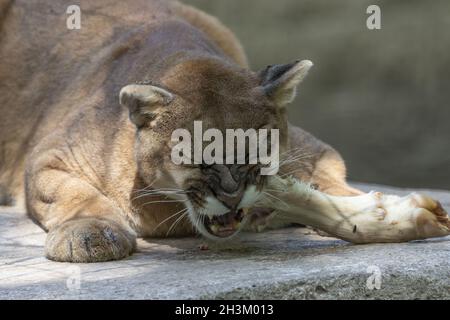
{"type": "Point", "coordinates": [226, 224]}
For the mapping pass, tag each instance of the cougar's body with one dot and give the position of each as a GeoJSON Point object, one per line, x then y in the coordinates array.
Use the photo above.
{"type": "Point", "coordinates": [68, 147]}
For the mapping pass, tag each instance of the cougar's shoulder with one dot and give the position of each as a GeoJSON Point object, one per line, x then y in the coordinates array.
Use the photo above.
{"type": "Point", "coordinates": [216, 30]}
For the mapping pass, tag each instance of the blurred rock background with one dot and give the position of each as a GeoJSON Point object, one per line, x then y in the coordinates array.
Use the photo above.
{"type": "Point", "coordinates": [380, 97]}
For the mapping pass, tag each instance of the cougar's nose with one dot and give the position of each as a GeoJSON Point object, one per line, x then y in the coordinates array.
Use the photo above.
{"type": "Point", "coordinates": [227, 182]}
{"type": "Point", "coordinates": [228, 187]}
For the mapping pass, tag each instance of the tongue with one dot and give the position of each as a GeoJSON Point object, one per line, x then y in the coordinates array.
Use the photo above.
{"type": "Point", "coordinates": [223, 230]}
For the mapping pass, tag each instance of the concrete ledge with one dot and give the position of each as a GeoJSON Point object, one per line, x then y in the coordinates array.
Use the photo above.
{"type": "Point", "coordinates": [293, 263]}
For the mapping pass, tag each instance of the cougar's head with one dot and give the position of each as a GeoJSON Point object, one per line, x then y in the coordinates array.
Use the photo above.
{"type": "Point", "coordinates": [205, 98]}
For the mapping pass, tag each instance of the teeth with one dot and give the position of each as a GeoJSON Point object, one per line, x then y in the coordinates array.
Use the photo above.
{"type": "Point", "coordinates": [245, 211]}
{"type": "Point", "coordinates": [214, 228]}
{"type": "Point", "coordinates": [210, 216]}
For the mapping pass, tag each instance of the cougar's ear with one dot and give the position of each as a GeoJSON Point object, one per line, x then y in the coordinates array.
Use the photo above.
{"type": "Point", "coordinates": [280, 81]}
{"type": "Point", "coordinates": [141, 100]}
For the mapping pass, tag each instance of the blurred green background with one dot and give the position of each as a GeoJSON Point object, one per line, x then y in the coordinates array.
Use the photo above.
{"type": "Point", "coordinates": [380, 97]}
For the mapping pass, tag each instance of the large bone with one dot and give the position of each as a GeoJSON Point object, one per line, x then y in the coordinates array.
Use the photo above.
{"type": "Point", "coordinates": [367, 218]}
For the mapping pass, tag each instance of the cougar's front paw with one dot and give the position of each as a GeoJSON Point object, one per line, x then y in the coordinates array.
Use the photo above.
{"type": "Point", "coordinates": [89, 240]}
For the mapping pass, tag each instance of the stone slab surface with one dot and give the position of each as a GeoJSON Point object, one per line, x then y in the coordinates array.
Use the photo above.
{"type": "Point", "coordinates": [292, 263]}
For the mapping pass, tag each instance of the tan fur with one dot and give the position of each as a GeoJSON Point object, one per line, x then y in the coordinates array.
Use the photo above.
{"type": "Point", "coordinates": [84, 160]}
{"type": "Point", "coordinates": [216, 31]}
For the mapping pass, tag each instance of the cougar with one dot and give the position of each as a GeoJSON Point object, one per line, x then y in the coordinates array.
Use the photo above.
{"type": "Point", "coordinates": [86, 123]}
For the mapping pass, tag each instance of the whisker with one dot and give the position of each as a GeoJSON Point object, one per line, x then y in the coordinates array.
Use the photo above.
{"type": "Point", "coordinates": [300, 156]}
{"type": "Point", "coordinates": [273, 190]}
{"type": "Point", "coordinates": [151, 183]}
{"type": "Point", "coordinates": [176, 222]}
{"type": "Point", "coordinates": [152, 193]}
{"type": "Point", "coordinates": [156, 195]}
{"type": "Point", "coordinates": [296, 158]}
{"type": "Point", "coordinates": [271, 195]}
{"type": "Point", "coordinates": [197, 221]}
{"type": "Point", "coordinates": [162, 201]}
{"type": "Point", "coordinates": [166, 190]}
{"type": "Point", "coordinates": [162, 222]}
{"type": "Point", "coordinates": [296, 153]}
{"type": "Point", "coordinates": [293, 150]}
{"type": "Point", "coordinates": [290, 172]}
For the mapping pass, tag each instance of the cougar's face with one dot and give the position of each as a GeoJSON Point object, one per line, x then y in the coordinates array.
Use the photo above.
{"type": "Point", "coordinates": [217, 196]}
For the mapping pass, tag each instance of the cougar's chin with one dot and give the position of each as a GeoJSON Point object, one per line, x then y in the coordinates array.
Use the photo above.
{"type": "Point", "coordinates": [220, 226]}
{"type": "Point", "coordinates": [225, 225]}
{"type": "Point", "coordinates": [215, 221]}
